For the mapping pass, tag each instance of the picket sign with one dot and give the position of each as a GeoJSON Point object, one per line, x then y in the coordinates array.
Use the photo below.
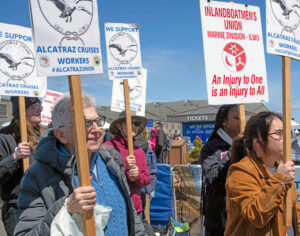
{"type": "Point", "coordinates": [81, 147]}
{"type": "Point", "coordinates": [286, 100]}
{"type": "Point", "coordinates": [23, 128]}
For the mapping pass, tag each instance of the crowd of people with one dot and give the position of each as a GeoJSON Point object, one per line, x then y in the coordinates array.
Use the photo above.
{"type": "Point", "coordinates": [244, 181]}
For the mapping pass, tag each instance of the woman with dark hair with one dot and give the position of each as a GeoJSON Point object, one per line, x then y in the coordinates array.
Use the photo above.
{"type": "Point", "coordinates": [12, 153]}
{"type": "Point", "coordinates": [214, 159]}
{"type": "Point", "coordinates": [257, 181]}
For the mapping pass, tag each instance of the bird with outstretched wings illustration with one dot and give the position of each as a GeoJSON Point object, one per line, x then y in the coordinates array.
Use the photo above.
{"type": "Point", "coordinates": [67, 7]}
{"type": "Point", "coordinates": [287, 6]}
{"type": "Point", "coordinates": [122, 51]}
{"type": "Point", "coordinates": [13, 64]}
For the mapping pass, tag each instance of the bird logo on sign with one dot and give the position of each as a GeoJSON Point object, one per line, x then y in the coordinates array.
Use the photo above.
{"type": "Point", "coordinates": [67, 7]}
{"type": "Point", "coordinates": [71, 18]}
{"type": "Point", "coordinates": [16, 60]}
{"type": "Point", "coordinates": [123, 47]}
{"type": "Point", "coordinates": [287, 13]}
{"type": "Point", "coordinates": [122, 51]}
{"type": "Point", "coordinates": [13, 64]}
{"type": "Point", "coordinates": [287, 6]}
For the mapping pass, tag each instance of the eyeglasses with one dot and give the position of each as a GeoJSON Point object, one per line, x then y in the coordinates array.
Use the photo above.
{"type": "Point", "coordinates": [37, 108]}
{"type": "Point", "coordinates": [99, 121]}
{"type": "Point", "coordinates": [278, 133]}
{"type": "Point", "coordinates": [136, 123]}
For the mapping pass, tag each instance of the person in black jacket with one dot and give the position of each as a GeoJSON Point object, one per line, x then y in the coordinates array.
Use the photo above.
{"type": "Point", "coordinates": [160, 144]}
{"type": "Point", "coordinates": [214, 159]}
{"type": "Point", "coordinates": [12, 153]}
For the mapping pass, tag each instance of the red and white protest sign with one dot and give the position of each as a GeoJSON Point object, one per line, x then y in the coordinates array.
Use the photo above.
{"type": "Point", "coordinates": [234, 53]}
{"type": "Point", "coordinates": [48, 102]}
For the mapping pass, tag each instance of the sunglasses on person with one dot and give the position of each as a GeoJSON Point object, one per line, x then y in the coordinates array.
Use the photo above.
{"type": "Point", "coordinates": [37, 108]}
{"type": "Point", "coordinates": [136, 123]}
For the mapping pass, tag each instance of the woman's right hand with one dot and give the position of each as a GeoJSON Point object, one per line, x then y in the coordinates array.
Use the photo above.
{"type": "Point", "coordinates": [22, 151]}
{"type": "Point", "coordinates": [287, 169]}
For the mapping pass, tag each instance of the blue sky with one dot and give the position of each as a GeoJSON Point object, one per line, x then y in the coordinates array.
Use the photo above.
{"type": "Point", "coordinates": [172, 50]}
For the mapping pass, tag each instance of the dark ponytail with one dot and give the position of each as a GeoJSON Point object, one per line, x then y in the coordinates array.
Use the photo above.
{"type": "Point", "coordinates": [238, 150]}
{"type": "Point", "coordinates": [258, 127]}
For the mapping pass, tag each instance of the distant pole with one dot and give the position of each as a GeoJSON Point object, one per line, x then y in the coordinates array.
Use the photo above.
{"type": "Point", "coordinates": [23, 128]}
{"type": "Point", "coordinates": [286, 102]}
{"type": "Point", "coordinates": [242, 117]}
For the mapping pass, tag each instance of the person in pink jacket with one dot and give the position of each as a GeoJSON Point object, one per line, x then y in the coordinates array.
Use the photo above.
{"type": "Point", "coordinates": [135, 166]}
{"type": "Point", "coordinates": [153, 138]}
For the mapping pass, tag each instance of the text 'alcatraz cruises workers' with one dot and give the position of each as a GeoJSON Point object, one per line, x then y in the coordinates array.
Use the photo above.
{"type": "Point", "coordinates": [66, 37]}
{"type": "Point", "coordinates": [234, 53]}
{"type": "Point", "coordinates": [17, 63]}
{"type": "Point", "coordinates": [123, 51]}
{"type": "Point", "coordinates": [283, 30]}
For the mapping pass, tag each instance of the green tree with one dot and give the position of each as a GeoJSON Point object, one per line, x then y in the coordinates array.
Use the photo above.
{"type": "Point", "coordinates": [194, 154]}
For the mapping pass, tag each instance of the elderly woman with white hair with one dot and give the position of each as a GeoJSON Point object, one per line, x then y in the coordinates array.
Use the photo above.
{"type": "Point", "coordinates": [52, 180]}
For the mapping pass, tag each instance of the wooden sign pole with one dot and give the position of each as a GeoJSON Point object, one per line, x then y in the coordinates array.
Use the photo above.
{"type": "Point", "coordinates": [286, 102]}
{"type": "Point", "coordinates": [241, 110]}
{"type": "Point", "coordinates": [81, 147]}
{"type": "Point", "coordinates": [128, 117]}
{"type": "Point", "coordinates": [242, 117]}
{"type": "Point", "coordinates": [23, 128]}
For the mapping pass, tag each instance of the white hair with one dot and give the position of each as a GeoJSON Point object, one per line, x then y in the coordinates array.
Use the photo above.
{"type": "Point", "coordinates": [62, 113]}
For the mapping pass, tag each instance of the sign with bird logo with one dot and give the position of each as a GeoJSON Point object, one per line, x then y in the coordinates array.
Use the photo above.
{"type": "Point", "coordinates": [234, 53]}
{"type": "Point", "coordinates": [283, 30]}
{"type": "Point", "coordinates": [66, 37]}
{"type": "Point", "coordinates": [17, 63]}
{"type": "Point", "coordinates": [137, 94]}
{"type": "Point", "coordinates": [123, 51]}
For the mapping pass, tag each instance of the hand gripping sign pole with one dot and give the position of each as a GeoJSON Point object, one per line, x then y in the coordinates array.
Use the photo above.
{"type": "Point", "coordinates": [286, 100]}
{"type": "Point", "coordinates": [81, 147]}
{"type": "Point", "coordinates": [23, 128]}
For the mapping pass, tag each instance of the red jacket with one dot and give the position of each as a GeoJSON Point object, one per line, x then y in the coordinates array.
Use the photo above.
{"type": "Point", "coordinates": [143, 179]}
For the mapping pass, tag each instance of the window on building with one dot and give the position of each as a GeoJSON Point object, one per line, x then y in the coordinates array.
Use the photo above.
{"type": "Point", "coordinates": [3, 110]}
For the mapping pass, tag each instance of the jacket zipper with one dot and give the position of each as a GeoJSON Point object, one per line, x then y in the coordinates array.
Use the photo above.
{"type": "Point", "coordinates": [276, 190]}
{"type": "Point", "coordinates": [249, 231]}
{"type": "Point", "coordinates": [268, 202]}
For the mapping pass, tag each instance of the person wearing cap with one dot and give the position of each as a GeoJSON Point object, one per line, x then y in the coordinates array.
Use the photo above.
{"type": "Point", "coordinates": [12, 153]}
{"type": "Point", "coordinates": [135, 166]}
{"type": "Point", "coordinates": [52, 181]}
